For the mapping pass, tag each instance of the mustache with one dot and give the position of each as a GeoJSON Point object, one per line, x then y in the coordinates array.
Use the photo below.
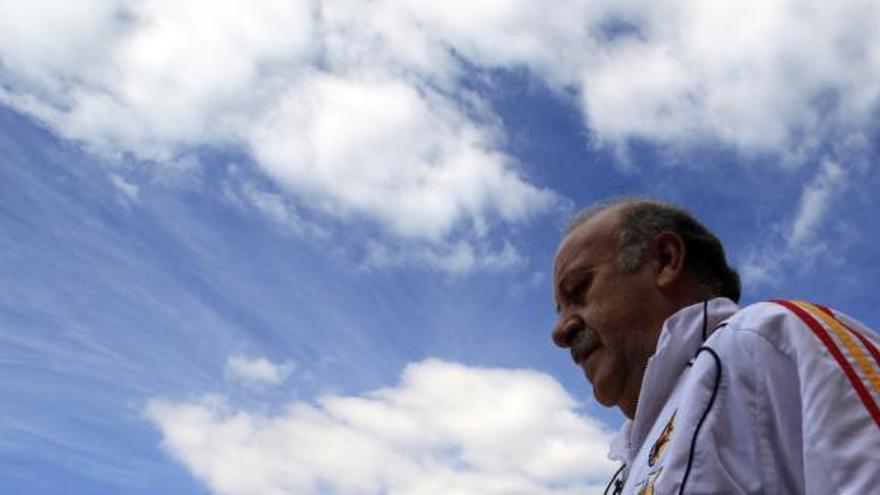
{"type": "Point", "coordinates": [584, 341]}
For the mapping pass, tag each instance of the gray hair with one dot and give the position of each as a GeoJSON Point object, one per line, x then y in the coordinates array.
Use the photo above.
{"type": "Point", "coordinates": [642, 219]}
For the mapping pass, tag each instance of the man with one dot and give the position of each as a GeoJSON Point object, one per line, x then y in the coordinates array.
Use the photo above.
{"type": "Point", "coordinates": [778, 397]}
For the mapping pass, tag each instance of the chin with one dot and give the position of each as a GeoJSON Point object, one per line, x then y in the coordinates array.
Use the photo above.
{"type": "Point", "coordinates": [603, 399]}
{"type": "Point", "coordinates": [606, 389]}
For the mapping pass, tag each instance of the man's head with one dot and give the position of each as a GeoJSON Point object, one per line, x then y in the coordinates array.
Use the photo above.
{"type": "Point", "coordinates": [621, 270]}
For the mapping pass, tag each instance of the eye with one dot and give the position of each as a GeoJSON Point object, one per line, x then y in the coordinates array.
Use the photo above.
{"type": "Point", "coordinates": [576, 291]}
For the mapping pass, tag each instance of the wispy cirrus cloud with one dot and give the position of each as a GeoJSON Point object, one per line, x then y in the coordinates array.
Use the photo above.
{"type": "Point", "coordinates": [445, 428]}
{"type": "Point", "coordinates": [796, 243]}
{"type": "Point", "coordinates": [815, 202]}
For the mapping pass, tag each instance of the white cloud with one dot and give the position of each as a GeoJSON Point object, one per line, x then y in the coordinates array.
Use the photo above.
{"type": "Point", "coordinates": [152, 77]}
{"type": "Point", "coordinates": [446, 428]}
{"type": "Point", "coordinates": [257, 372]}
{"type": "Point", "coordinates": [772, 76]}
{"type": "Point", "coordinates": [390, 151]}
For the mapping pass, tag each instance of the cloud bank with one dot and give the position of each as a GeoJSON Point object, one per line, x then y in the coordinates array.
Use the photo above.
{"type": "Point", "coordinates": [360, 111]}
{"type": "Point", "coordinates": [445, 428]}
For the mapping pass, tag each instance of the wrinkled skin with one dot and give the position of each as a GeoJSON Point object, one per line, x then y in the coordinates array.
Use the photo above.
{"type": "Point", "coordinates": [610, 320]}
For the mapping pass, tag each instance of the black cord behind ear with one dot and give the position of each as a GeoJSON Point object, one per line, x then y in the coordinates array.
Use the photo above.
{"type": "Point", "coordinates": [705, 318]}
{"type": "Point", "coordinates": [690, 462]}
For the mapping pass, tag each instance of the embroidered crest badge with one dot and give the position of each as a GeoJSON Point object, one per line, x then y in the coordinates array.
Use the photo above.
{"type": "Point", "coordinates": [662, 441]}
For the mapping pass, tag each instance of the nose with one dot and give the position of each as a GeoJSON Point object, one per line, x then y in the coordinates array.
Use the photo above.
{"type": "Point", "coordinates": [565, 330]}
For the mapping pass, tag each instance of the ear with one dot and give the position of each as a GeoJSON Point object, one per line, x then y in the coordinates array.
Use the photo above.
{"type": "Point", "coordinates": [670, 254]}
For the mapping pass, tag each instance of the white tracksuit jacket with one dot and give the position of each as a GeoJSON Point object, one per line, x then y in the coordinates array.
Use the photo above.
{"type": "Point", "coordinates": [790, 406]}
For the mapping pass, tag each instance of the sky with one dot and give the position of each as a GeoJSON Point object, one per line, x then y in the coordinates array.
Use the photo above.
{"type": "Point", "coordinates": [298, 247]}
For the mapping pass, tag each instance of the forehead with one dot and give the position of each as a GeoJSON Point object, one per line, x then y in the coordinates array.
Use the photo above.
{"type": "Point", "coordinates": [591, 242]}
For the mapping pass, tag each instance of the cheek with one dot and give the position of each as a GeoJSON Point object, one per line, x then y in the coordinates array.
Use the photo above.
{"type": "Point", "coordinates": [606, 321]}
{"type": "Point", "coordinates": [615, 338]}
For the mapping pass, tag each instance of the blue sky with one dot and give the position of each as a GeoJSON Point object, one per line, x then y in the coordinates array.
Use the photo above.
{"type": "Point", "coordinates": [299, 248]}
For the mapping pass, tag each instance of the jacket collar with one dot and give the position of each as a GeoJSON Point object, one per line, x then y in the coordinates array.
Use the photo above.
{"type": "Point", "coordinates": [679, 341]}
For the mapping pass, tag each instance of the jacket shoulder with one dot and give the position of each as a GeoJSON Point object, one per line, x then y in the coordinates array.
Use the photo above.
{"type": "Point", "coordinates": [803, 327]}
{"type": "Point", "coordinates": [770, 321]}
